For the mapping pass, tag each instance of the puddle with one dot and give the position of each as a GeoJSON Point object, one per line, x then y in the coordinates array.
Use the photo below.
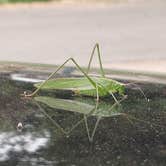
{"type": "Point", "coordinates": [58, 134]}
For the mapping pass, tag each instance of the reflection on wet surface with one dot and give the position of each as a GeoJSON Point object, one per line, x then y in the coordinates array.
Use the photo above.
{"type": "Point", "coordinates": [58, 136]}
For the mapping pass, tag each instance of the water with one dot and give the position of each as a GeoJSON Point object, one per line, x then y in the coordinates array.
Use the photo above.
{"type": "Point", "coordinates": [118, 140]}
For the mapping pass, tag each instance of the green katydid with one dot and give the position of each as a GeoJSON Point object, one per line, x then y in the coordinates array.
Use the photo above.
{"type": "Point", "coordinates": [85, 107]}
{"type": "Point", "coordinates": [86, 86]}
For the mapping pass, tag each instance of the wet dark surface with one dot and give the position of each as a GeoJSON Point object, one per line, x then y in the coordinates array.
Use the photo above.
{"type": "Point", "coordinates": [118, 140]}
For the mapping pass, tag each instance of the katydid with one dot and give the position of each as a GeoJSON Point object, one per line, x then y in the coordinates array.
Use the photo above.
{"type": "Point", "coordinates": [85, 86]}
{"type": "Point", "coordinates": [84, 107]}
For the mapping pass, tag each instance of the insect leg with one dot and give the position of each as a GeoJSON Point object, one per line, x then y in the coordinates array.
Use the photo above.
{"type": "Point", "coordinates": [94, 84]}
{"type": "Point", "coordinates": [50, 118]}
{"type": "Point", "coordinates": [60, 67]}
{"type": "Point", "coordinates": [94, 130]}
{"type": "Point", "coordinates": [97, 93]}
{"type": "Point", "coordinates": [115, 104]}
{"type": "Point", "coordinates": [87, 128]}
{"type": "Point", "coordinates": [91, 136]}
{"type": "Point", "coordinates": [83, 119]}
{"type": "Point", "coordinates": [49, 77]}
{"type": "Point", "coordinates": [96, 47]}
{"type": "Point", "coordinates": [116, 100]}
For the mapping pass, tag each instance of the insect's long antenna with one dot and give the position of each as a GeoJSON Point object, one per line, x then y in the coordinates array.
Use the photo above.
{"type": "Point", "coordinates": [52, 74]}
{"type": "Point", "coordinates": [141, 91]}
{"type": "Point", "coordinates": [129, 117]}
{"type": "Point", "coordinates": [96, 47]}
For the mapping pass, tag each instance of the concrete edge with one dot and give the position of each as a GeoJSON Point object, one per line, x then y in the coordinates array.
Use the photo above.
{"type": "Point", "coordinates": [35, 68]}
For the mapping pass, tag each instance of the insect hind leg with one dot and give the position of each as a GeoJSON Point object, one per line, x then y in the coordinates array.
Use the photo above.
{"type": "Point", "coordinates": [96, 47]}
{"type": "Point", "coordinates": [116, 100]}
{"type": "Point", "coordinates": [59, 68]}
{"type": "Point", "coordinates": [91, 136]}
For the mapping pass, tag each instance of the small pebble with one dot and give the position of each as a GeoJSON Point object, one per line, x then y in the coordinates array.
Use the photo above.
{"type": "Point", "coordinates": [19, 127]}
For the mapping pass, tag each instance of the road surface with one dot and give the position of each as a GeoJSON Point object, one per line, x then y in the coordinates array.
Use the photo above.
{"type": "Point", "coordinates": [131, 35]}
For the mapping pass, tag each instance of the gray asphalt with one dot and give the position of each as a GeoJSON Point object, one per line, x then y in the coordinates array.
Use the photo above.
{"type": "Point", "coordinates": [51, 34]}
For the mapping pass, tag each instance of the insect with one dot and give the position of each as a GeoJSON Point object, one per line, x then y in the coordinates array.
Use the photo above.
{"type": "Point", "coordinates": [82, 106]}
{"type": "Point", "coordinates": [88, 109]}
{"type": "Point", "coordinates": [85, 86]}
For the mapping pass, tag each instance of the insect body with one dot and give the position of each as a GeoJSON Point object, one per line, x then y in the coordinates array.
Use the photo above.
{"type": "Point", "coordinates": [87, 86]}
{"type": "Point", "coordinates": [82, 106]}
{"type": "Point", "coordinates": [82, 86]}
